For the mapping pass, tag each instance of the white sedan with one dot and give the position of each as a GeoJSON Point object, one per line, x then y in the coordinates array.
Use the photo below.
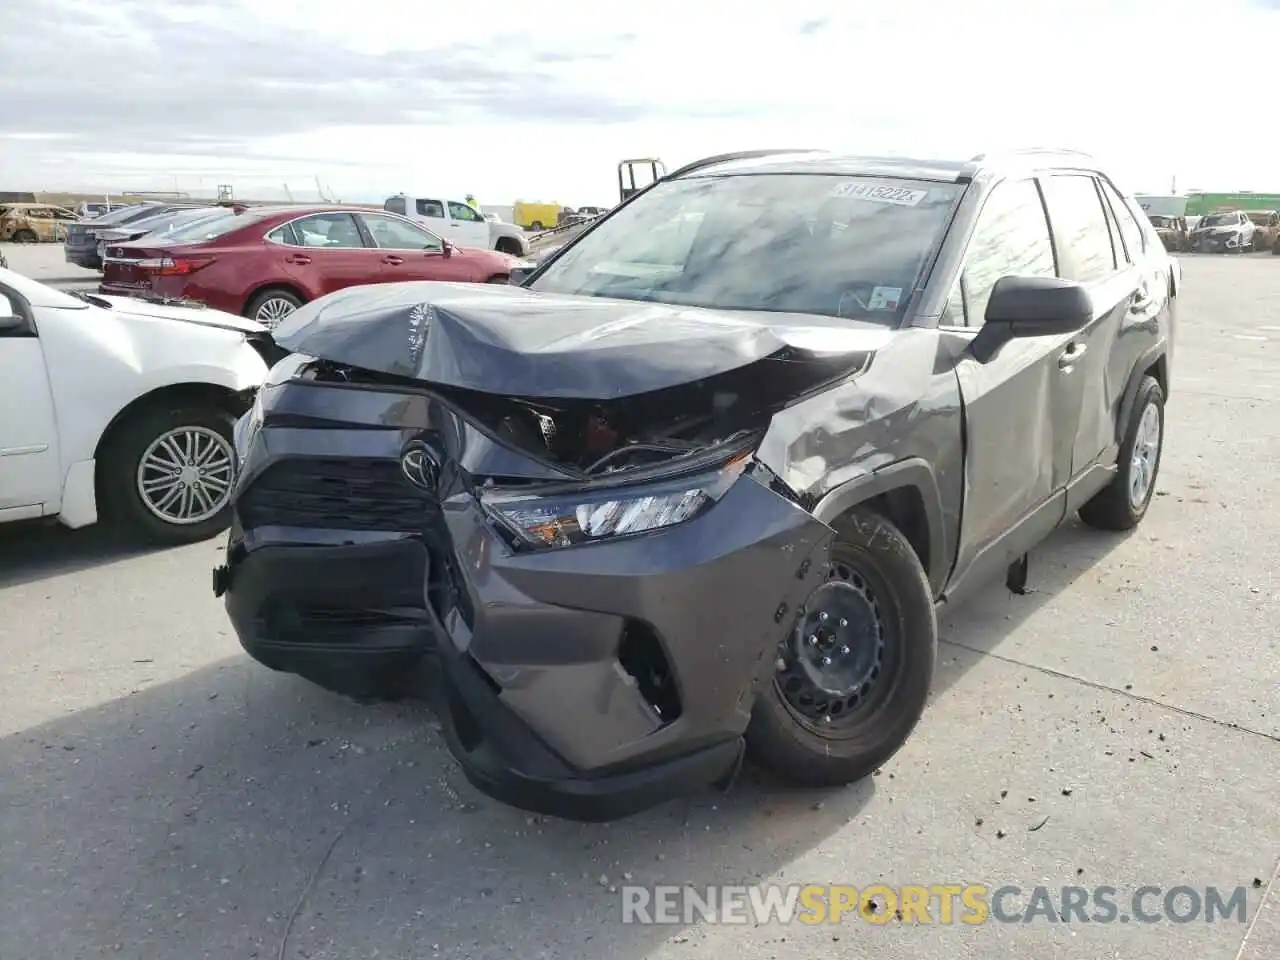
{"type": "Point", "coordinates": [121, 408]}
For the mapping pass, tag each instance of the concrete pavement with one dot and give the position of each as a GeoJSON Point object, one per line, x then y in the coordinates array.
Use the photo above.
{"type": "Point", "coordinates": [163, 797]}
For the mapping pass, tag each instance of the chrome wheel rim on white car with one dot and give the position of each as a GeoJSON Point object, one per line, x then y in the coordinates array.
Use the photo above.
{"type": "Point", "coordinates": [273, 310]}
{"type": "Point", "coordinates": [185, 476]}
{"type": "Point", "coordinates": [1146, 454]}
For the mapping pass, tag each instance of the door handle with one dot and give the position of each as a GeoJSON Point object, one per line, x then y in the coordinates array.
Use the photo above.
{"type": "Point", "coordinates": [393, 260]}
{"type": "Point", "coordinates": [298, 259]}
{"type": "Point", "coordinates": [1070, 355]}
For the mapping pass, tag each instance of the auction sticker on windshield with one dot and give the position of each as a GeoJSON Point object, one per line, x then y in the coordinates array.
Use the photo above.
{"type": "Point", "coordinates": [880, 193]}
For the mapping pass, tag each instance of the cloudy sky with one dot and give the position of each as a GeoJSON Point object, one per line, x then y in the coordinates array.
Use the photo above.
{"type": "Point", "coordinates": [378, 96]}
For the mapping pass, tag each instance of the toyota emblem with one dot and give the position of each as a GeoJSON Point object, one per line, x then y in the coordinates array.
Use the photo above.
{"type": "Point", "coordinates": [420, 468]}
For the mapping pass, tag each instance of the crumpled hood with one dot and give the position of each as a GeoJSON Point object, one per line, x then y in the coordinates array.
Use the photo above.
{"type": "Point", "coordinates": [515, 342]}
{"type": "Point", "coordinates": [203, 316]}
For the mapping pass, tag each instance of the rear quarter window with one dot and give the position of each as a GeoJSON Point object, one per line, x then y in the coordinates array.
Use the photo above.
{"type": "Point", "coordinates": [395, 205]}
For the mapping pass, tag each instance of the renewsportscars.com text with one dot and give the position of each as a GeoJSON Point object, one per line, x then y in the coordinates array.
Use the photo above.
{"type": "Point", "coordinates": [942, 904]}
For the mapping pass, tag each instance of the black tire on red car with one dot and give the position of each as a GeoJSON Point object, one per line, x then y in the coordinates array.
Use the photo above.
{"type": "Point", "coordinates": [1122, 503]}
{"type": "Point", "coordinates": [852, 679]}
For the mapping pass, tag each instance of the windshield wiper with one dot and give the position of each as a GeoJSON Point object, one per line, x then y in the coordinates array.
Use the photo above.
{"type": "Point", "coordinates": [90, 298]}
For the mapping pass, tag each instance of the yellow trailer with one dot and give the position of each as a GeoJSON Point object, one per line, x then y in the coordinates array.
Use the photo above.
{"type": "Point", "coordinates": [535, 216]}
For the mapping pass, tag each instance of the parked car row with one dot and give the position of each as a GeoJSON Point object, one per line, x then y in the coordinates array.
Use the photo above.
{"type": "Point", "coordinates": [1223, 231]}
{"type": "Point", "coordinates": [265, 262]}
{"type": "Point", "coordinates": [81, 245]}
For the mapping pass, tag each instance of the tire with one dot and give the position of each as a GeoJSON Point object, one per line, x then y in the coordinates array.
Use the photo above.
{"type": "Point", "coordinates": [536, 225]}
{"type": "Point", "coordinates": [25, 236]}
{"type": "Point", "coordinates": [508, 246]}
{"type": "Point", "coordinates": [1113, 507]}
{"type": "Point", "coordinates": [790, 739]}
{"type": "Point", "coordinates": [121, 473]}
{"type": "Point", "coordinates": [276, 302]}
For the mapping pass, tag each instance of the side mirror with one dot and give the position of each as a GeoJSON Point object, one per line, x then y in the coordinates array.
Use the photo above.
{"type": "Point", "coordinates": [447, 250]}
{"type": "Point", "coordinates": [10, 319]}
{"type": "Point", "coordinates": [520, 274]}
{"type": "Point", "coordinates": [1022, 307]}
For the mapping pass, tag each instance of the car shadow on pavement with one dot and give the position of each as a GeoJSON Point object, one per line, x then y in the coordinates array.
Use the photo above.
{"type": "Point", "coordinates": [30, 551]}
{"type": "Point", "coordinates": [234, 809]}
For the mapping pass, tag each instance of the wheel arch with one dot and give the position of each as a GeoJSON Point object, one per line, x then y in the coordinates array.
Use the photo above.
{"type": "Point", "coordinates": [263, 287]}
{"type": "Point", "coordinates": [174, 395]}
{"type": "Point", "coordinates": [1153, 363]}
{"type": "Point", "coordinates": [905, 493]}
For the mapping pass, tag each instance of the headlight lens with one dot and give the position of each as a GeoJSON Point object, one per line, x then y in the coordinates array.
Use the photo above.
{"type": "Point", "coordinates": [592, 516]}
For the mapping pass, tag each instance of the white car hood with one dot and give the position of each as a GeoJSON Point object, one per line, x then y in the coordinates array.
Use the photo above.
{"type": "Point", "coordinates": [132, 307]}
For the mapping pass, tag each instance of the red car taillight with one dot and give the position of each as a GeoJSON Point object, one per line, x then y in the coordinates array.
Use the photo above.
{"type": "Point", "coordinates": [173, 266]}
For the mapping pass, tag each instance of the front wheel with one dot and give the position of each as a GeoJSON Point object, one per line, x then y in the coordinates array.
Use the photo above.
{"type": "Point", "coordinates": [1122, 503]}
{"type": "Point", "coordinates": [25, 236]}
{"type": "Point", "coordinates": [166, 475]}
{"type": "Point", "coordinates": [852, 679]}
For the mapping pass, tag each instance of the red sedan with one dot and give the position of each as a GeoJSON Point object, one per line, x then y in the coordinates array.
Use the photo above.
{"type": "Point", "coordinates": [264, 262]}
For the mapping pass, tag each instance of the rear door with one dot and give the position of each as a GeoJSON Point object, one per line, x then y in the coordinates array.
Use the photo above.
{"type": "Point", "coordinates": [408, 252]}
{"type": "Point", "coordinates": [1021, 405]}
{"type": "Point", "coordinates": [469, 227]}
{"type": "Point", "coordinates": [1093, 249]}
{"type": "Point", "coordinates": [324, 252]}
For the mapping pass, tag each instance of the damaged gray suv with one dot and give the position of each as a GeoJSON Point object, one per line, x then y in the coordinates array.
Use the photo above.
{"type": "Point", "coordinates": [691, 490]}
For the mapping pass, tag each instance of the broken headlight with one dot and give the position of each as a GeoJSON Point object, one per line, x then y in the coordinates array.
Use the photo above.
{"type": "Point", "coordinates": [595, 515]}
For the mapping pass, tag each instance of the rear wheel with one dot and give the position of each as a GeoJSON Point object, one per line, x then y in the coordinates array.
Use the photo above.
{"type": "Point", "coordinates": [1122, 503]}
{"type": "Point", "coordinates": [166, 474]}
{"type": "Point", "coordinates": [271, 306]}
{"type": "Point", "coordinates": [852, 679]}
{"type": "Point", "coordinates": [25, 236]}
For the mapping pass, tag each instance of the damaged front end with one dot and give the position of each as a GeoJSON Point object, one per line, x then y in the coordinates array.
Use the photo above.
{"type": "Point", "coordinates": [603, 579]}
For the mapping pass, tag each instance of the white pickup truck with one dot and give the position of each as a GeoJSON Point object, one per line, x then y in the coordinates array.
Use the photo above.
{"type": "Point", "coordinates": [461, 223]}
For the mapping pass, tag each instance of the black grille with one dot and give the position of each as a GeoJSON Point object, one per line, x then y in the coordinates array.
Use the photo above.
{"type": "Point", "coordinates": [335, 495]}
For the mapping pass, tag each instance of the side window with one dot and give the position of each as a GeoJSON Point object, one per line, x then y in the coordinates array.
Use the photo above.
{"type": "Point", "coordinates": [1134, 239]}
{"type": "Point", "coordinates": [328, 230]}
{"type": "Point", "coordinates": [1080, 227]}
{"type": "Point", "coordinates": [283, 234]}
{"type": "Point", "coordinates": [391, 234]}
{"type": "Point", "coordinates": [431, 208]}
{"type": "Point", "coordinates": [395, 205]}
{"type": "Point", "coordinates": [1011, 239]}
{"type": "Point", "coordinates": [460, 211]}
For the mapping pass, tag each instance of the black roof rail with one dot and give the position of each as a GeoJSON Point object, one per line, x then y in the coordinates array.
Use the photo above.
{"type": "Point", "coordinates": [728, 157]}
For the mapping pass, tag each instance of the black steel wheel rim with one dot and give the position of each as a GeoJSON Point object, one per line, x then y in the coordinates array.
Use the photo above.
{"type": "Point", "coordinates": [839, 663]}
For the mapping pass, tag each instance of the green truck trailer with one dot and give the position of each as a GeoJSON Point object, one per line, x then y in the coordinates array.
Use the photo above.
{"type": "Point", "coordinates": [1198, 204]}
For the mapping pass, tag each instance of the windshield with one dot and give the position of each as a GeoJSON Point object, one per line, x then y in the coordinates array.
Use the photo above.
{"type": "Point", "coordinates": [788, 243]}
{"type": "Point", "coordinates": [1219, 220]}
{"type": "Point", "coordinates": [212, 226]}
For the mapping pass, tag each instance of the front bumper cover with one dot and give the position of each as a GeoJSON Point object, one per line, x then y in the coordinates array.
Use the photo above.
{"type": "Point", "coordinates": [588, 682]}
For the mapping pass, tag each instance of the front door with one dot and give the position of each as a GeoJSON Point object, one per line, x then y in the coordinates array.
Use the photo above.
{"type": "Point", "coordinates": [326, 252]}
{"type": "Point", "coordinates": [407, 252]}
{"type": "Point", "coordinates": [29, 471]}
{"type": "Point", "coordinates": [1021, 406]}
{"type": "Point", "coordinates": [469, 227]}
